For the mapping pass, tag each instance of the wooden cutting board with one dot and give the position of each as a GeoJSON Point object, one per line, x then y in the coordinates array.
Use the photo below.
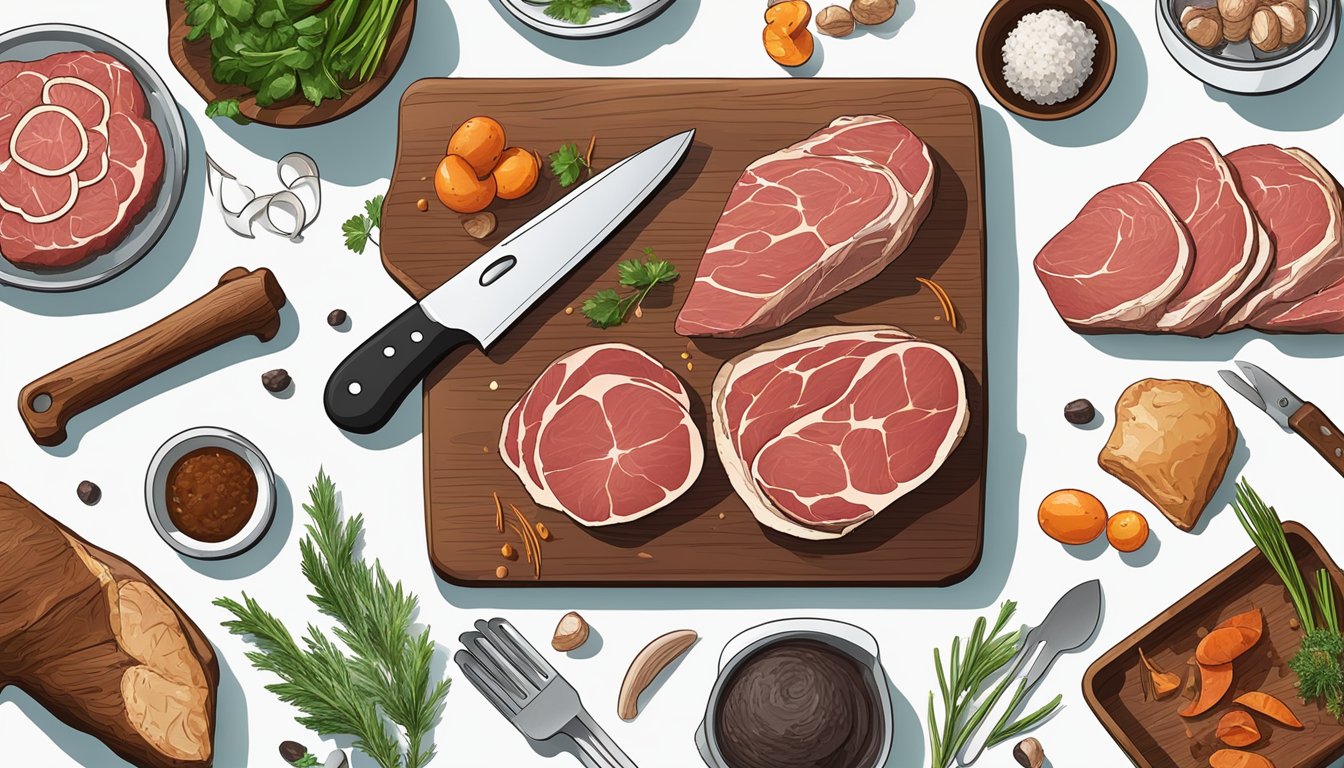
{"type": "Point", "coordinates": [707, 537]}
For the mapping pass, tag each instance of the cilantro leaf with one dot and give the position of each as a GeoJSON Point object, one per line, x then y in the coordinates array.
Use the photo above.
{"type": "Point", "coordinates": [648, 272]}
{"type": "Point", "coordinates": [226, 108]}
{"type": "Point", "coordinates": [357, 230]}
{"type": "Point", "coordinates": [606, 308]}
{"type": "Point", "coordinates": [374, 208]}
{"type": "Point", "coordinates": [567, 164]}
{"type": "Point", "coordinates": [581, 11]}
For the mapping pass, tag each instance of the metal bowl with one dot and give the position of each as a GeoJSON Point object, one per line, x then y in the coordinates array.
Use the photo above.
{"type": "Point", "coordinates": [533, 14]}
{"type": "Point", "coordinates": [156, 492]}
{"type": "Point", "coordinates": [1241, 67]}
{"type": "Point", "coordinates": [848, 639]}
{"type": "Point", "coordinates": [42, 40]}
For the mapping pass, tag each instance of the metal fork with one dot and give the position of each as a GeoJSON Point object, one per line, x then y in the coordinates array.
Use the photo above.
{"type": "Point", "coordinates": [527, 690]}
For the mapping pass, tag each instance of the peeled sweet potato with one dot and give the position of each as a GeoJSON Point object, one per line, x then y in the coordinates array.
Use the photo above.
{"type": "Point", "coordinates": [1214, 683]}
{"type": "Point", "coordinates": [1269, 707]}
{"type": "Point", "coordinates": [1237, 729]}
{"type": "Point", "coordinates": [1235, 758]}
{"type": "Point", "coordinates": [100, 646]}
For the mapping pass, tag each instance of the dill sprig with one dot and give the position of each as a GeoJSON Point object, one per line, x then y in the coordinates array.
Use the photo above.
{"type": "Point", "coordinates": [972, 666]}
{"type": "Point", "coordinates": [1320, 676]}
{"type": "Point", "coordinates": [385, 677]}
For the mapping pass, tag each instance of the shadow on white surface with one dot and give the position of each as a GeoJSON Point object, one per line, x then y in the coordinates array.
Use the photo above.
{"type": "Point", "coordinates": [665, 29]}
{"type": "Point", "coordinates": [1221, 348]}
{"type": "Point", "coordinates": [143, 280]}
{"type": "Point", "coordinates": [1313, 103]}
{"type": "Point", "coordinates": [1118, 106]}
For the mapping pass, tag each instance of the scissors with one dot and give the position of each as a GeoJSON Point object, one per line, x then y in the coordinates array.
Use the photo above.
{"type": "Point", "coordinates": [1290, 411]}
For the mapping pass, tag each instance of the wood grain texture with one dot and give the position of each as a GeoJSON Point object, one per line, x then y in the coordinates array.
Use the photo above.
{"type": "Point", "coordinates": [1151, 732]}
{"type": "Point", "coordinates": [931, 537]}
{"type": "Point", "coordinates": [192, 59]}
{"type": "Point", "coordinates": [1317, 429]}
{"type": "Point", "coordinates": [243, 304]}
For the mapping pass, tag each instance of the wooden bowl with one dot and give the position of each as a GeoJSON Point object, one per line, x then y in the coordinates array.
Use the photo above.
{"type": "Point", "coordinates": [193, 61]}
{"type": "Point", "coordinates": [989, 54]}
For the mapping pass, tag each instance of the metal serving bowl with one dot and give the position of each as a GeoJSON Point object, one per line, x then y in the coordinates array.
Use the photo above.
{"type": "Point", "coordinates": [845, 638]}
{"type": "Point", "coordinates": [1241, 67]}
{"type": "Point", "coordinates": [156, 492]}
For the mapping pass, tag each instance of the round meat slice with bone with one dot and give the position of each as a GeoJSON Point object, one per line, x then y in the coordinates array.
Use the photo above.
{"type": "Point", "coordinates": [604, 435]}
{"type": "Point", "coordinates": [821, 431]}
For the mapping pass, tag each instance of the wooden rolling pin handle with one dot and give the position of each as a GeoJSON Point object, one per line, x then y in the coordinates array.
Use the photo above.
{"type": "Point", "coordinates": [243, 304]}
{"type": "Point", "coordinates": [1312, 424]}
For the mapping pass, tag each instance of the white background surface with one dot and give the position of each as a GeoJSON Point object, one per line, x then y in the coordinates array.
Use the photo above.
{"type": "Point", "coordinates": [1038, 177]}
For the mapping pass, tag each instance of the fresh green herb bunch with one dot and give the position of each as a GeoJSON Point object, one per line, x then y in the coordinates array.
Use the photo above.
{"type": "Point", "coordinates": [607, 308]}
{"type": "Point", "coordinates": [384, 678]}
{"type": "Point", "coordinates": [277, 48]}
{"type": "Point", "coordinates": [581, 11]}
{"type": "Point", "coordinates": [358, 229]}
{"type": "Point", "coordinates": [568, 164]}
{"type": "Point", "coordinates": [973, 665]}
{"type": "Point", "coordinates": [1320, 676]}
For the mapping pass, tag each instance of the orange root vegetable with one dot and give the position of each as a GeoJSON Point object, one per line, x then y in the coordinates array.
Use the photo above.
{"type": "Point", "coordinates": [1252, 621]}
{"type": "Point", "coordinates": [516, 174]}
{"type": "Point", "coordinates": [1222, 646]}
{"type": "Point", "coordinates": [786, 37]}
{"type": "Point", "coordinates": [789, 16]}
{"type": "Point", "coordinates": [1158, 684]}
{"type": "Point", "coordinates": [1214, 683]}
{"type": "Point", "coordinates": [1237, 729]}
{"type": "Point", "coordinates": [1235, 758]}
{"type": "Point", "coordinates": [479, 141]}
{"type": "Point", "coordinates": [457, 187]}
{"type": "Point", "coordinates": [1269, 707]}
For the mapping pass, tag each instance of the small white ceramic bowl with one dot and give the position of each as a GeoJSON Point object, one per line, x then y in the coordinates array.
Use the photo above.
{"type": "Point", "coordinates": [156, 492]}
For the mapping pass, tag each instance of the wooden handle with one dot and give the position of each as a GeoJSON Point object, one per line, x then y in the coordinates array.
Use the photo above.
{"type": "Point", "coordinates": [1316, 428]}
{"type": "Point", "coordinates": [243, 304]}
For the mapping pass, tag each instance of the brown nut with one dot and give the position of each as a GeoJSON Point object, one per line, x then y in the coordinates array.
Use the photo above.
{"type": "Point", "coordinates": [646, 667]}
{"type": "Point", "coordinates": [1203, 26]}
{"type": "Point", "coordinates": [871, 12]}
{"type": "Point", "coordinates": [1292, 22]}
{"type": "Point", "coordinates": [1029, 754]}
{"type": "Point", "coordinates": [1266, 33]}
{"type": "Point", "coordinates": [89, 492]}
{"type": "Point", "coordinates": [1237, 10]}
{"type": "Point", "coordinates": [570, 633]}
{"type": "Point", "coordinates": [1236, 31]}
{"type": "Point", "coordinates": [277, 380]}
{"type": "Point", "coordinates": [835, 21]}
{"type": "Point", "coordinates": [481, 225]}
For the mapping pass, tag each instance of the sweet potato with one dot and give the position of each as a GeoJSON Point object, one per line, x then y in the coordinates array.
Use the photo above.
{"type": "Point", "coordinates": [1224, 645]}
{"type": "Point", "coordinates": [1235, 758]}
{"type": "Point", "coordinates": [1237, 729]}
{"type": "Point", "coordinates": [1214, 682]}
{"type": "Point", "coordinates": [789, 16]}
{"type": "Point", "coordinates": [1269, 707]}
{"type": "Point", "coordinates": [1252, 620]}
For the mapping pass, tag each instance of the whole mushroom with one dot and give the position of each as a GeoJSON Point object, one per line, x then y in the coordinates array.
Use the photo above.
{"type": "Point", "coordinates": [872, 12]}
{"type": "Point", "coordinates": [835, 21]}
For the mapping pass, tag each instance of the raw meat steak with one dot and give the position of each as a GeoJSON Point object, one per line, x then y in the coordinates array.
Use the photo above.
{"type": "Point", "coordinates": [822, 430]}
{"type": "Point", "coordinates": [79, 159]}
{"type": "Point", "coordinates": [604, 435]}
{"type": "Point", "coordinates": [1118, 263]}
{"type": "Point", "coordinates": [1319, 313]}
{"type": "Point", "coordinates": [1298, 201]}
{"type": "Point", "coordinates": [1233, 251]}
{"type": "Point", "coordinates": [808, 223]}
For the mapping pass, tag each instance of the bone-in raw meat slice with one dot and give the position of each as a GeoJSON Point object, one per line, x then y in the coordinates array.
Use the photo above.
{"type": "Point", "coordinates": [822, 430]}
{"type": "Point", "coordinates": [1232, 251]}
{"type": "Point", "coordinates": [1298, 201]}
{"type": "Point", "coordinates": [809, 222]}
{"type": "Point", "coordinates": [1118, 263]}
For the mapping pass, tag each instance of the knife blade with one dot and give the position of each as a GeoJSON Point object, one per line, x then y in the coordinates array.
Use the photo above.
{"type": "Point", "coordinates": [1290, 411]}
{"type": "Point", "coordinates": [479, 303]}
{"type": "Point", "coordinates": [1068, 626]}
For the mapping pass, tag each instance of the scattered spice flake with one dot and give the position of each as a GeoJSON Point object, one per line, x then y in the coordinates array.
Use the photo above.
{"type": "Point", "coordinates": [685, 355]}
{"type": "Point", "coordinates": [569, 310]}
{"type": "Point", "coordinates": [507, 551]}
{"type": "Point", "coordinates": [722, 515]}
{"type": "Point", "coordinates": [422, 205]}
{"type": "Point", "coordinates": [485, 449]}
{"type": "Point", "coordinates": [530, 536]}
{"type": "Point", "coordinates": [494, 385]}
{"type": "Point", "coordinates": [944, 300]}
{"type": "Point", "coordinates": [501, 572]}
{"type": "Point", "coordinates": [690, 366]}
{"type": "Point", "coordinates": [588, 158]}
{"type": "Point", "coordinates": [543, 531]}
{"type": "Point", "coordinates": [499, 513]}
{"type": "Point", "coordinates": [645, 556]}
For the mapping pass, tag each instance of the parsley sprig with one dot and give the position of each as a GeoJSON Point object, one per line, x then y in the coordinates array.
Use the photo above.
{"type": "Point", "coordinates": [358, 229]}
{"type": "Point", "coordinates": [568, 164]}
{"type": "Point", "coordinates": [581, 11]}
{"type": "Point", "coordinates": [607, 308]}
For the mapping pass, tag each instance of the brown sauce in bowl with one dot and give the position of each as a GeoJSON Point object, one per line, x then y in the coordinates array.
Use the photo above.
{"type": "Point", "coordinates": [212, 493]}
{"type": "Point", "coordinates": [799, 704]}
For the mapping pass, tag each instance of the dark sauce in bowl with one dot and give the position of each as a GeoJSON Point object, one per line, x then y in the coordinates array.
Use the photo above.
{"type": "Point", "coordinates": [212, 494]}
{"type": "Point", "coordinates": [799, 704]}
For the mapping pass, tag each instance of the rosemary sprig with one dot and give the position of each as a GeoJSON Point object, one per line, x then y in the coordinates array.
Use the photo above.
{"type": "Point", "coordinates": [387, 675]}
{"type": "Point", "coordinates": [971, 667]}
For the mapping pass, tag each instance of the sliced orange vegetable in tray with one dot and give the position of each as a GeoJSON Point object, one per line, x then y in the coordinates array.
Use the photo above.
{"type": "Point", "coordinates": [1235, 758]}
{"type": "Point", "coordinates": [1214, 683]}
{"type": "Point", "coordinates": [1224, 645]}
{"type": "Point", "coordinates": [1269, 707]}
{"type": "Point", "coordinates": [1237, 729]}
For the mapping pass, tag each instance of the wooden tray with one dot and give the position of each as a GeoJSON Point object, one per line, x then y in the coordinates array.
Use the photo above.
{"type": "Point", "coordinates": [193, 61]}
{"type": "Point", "coordinates": [931, 537]}
{"type": "Point", "coordinates": [1153, 735]}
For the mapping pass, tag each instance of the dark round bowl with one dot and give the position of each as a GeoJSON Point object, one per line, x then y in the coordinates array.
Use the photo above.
{"type": "Point", "coordinates": [989, 53]}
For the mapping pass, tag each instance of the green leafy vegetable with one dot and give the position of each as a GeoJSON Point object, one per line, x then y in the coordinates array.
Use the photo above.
{"type": "Point", "coordinates": [567, 164]}
{"type": "Point", "coordinates": [309, 760]}
{"type": "Point", "coordinates": [581, 11]}
{"type": "Point", "coordinates": [358, 229]}
{"type": "Point", "coordinates": [384, 679]}
{"type": "Point", "coordinates": [1320, 677]}
{"type": "Point", "coordinates": [226, 108]}
{"type": "Point", "coordinates": [277, 48]}
{"type": "Point", "coordinates": [607, 308]}
{"type": "Point", "coordinates": [973, 666]}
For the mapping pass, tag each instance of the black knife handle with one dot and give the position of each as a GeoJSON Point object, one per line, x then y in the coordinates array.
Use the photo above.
{"type": "Point", "coordinates": [367, 387]}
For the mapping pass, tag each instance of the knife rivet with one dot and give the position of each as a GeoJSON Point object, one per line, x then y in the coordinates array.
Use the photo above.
{"type": "Point", "coordinates": [1325, 431]}
{"type": "Point", "coordinates": [354, 388]}
{"type": "Point", "coordinates": [417, 337]}
{"type": "Point", "coordinates": [389, 351]}
{"type": "Point", "coordinates": [1339, 452]}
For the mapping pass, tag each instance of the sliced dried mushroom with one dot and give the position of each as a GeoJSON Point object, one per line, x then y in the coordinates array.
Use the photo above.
{"type": "Point", "coordinates": [646, 667]}
{"type": "Point", "coordinates": [570, 634]}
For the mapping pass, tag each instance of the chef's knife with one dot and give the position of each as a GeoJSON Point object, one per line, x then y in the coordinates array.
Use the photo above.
{"type": "Point", "coordinates": [478, 304]}
{"type": "Point", "coordinates": [1271, 396]}
{"type": "Point", "coordinates": [1067, 627]}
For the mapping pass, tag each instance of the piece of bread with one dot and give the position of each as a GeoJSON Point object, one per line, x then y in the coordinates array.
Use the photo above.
{"type": "Point", "coordinates": [100, 646]}
{"type": "Point", "coordinates": [1172, 442]}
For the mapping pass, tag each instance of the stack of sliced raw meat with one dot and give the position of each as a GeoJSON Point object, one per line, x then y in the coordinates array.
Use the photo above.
{"type": "Point", "coordinates": [604, 435]}
{"type": "Point", "coordinates": [79, 159]}
{"type": "Point", "coordinates": [808, 223]}
{"type": "Point", "coordinates": [822, 430]}
{"type": "Point", "coordinates": [1205, 244]}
